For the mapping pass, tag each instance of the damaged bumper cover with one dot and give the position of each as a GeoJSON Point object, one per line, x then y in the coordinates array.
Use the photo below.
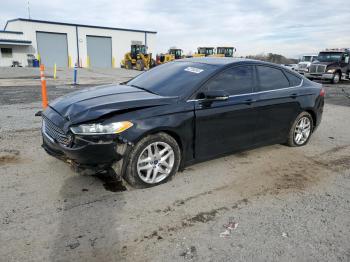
{"type": "Point", "coordinates": [93, 153]}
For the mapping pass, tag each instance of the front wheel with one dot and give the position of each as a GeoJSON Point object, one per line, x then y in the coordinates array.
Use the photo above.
{"type": "Point", "coordinates": [128, 64]}
{"type": "Point", "coordinates": [140, 65]}
{"type": "Point", "coordinates": [301, 130]}
{"type": "Point", "coordinates": [336, 78]}
{"type": "Point", "coordinates": [153, 161]}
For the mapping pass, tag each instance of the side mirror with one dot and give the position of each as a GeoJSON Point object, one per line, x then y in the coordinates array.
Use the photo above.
{"type": "Point", "coordinates": [217, 95]}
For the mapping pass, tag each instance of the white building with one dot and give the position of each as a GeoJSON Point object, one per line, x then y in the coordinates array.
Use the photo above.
{"type": "Point", "coordinates": [66, 44]}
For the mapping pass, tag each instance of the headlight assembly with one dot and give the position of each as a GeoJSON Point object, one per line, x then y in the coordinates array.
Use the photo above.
{"type": "Point", "coordinates": [331, 70]}
{"type": "Point", "coordinates": [101, 129]}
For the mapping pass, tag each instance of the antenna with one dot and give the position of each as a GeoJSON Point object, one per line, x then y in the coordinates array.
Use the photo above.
{"type": "Point", "coordinates": [28, 10]}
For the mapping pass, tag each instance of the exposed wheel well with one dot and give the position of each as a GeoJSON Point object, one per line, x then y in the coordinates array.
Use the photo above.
{"type": "Point", "coordinates": [313, 115]}
{"type": "Point", "coordinates": [170, 133]}
{"type": "Point", "coordinates": [175, 136]}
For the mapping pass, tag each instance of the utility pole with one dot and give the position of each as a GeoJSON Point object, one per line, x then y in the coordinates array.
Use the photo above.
{"type": "Point", "coordinates": [28, 10]}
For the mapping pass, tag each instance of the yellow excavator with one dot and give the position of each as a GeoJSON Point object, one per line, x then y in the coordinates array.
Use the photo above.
{"type": "Point", "coordinates": [225, 51]}
{"type": "Point", "coordinates": [173, 53]}
{"type": "Point", "coordinates": [204, 51]}
{"type": "Point", "coordinates": [137, 58]}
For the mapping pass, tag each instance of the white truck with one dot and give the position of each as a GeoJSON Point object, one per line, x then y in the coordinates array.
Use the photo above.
{"type": "Point", "coordinates": [305, 62]}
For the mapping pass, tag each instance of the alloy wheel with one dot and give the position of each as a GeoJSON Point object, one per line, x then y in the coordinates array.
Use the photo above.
{"type": "Point", "coordinates": [155, 162]}
{"type": "Point", "coordinates": [302, 130]}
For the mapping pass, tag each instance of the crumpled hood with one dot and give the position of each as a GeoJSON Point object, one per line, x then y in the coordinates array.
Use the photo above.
{"type": "Point", "coordinates": [92, 103]}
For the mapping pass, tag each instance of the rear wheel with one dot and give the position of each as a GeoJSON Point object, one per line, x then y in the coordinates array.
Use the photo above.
{"type": "Point", "coordinates": [301, 130]}
{"type": "Point", "coordinates": [153, 161]}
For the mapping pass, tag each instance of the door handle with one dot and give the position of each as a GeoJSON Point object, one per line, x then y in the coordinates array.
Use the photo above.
{"type": "Point", "coordinates": [294, 95]}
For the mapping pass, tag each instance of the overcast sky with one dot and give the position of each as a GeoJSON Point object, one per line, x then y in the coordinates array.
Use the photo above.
{"type": "Point", "coordinates": [290, 27]}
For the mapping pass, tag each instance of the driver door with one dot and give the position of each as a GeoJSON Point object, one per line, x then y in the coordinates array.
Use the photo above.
{"type": "Point", "coordinates": [226, 125]}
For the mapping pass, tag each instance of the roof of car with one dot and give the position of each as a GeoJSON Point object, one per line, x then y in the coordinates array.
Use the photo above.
{"type": "Point", "coordinates": [220, 61]}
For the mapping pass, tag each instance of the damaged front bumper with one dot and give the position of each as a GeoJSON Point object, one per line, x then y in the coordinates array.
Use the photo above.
{"type": "Point", "coordinates": [93, 153]}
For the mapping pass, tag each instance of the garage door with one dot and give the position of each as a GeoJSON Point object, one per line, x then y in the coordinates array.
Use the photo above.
{"type": "Point", "coordinates": [99, 50]}
{"type": "Point", "coordinates": [52, 48]}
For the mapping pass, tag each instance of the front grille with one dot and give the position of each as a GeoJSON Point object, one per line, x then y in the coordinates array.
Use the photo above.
{"type": "Point", "coordinates": [317, 69]}
{"type": "Point", "coordinates": [55, 132]}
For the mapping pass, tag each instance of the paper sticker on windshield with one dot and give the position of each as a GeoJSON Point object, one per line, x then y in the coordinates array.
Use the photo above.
{"type": "Point", "coordinates": [193, 70]}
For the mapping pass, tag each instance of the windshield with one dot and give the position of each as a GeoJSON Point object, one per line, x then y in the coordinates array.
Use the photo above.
{"type": "Point", "coordinates": [178, 53]}
{"type": "Point", "coordinates": [206, 51]}
{"type": "Point", "coordinates": [229, 52]}
{"type": "Point", "coordinates": [210, 51]}
{"type": "Point", "coordinates": [174, 78]}
{"type": "Point", "coordinates": [329, 57]}
{"type": "Point", "coordinates": [138, 49]}
{"type": "Point", "coordinates": [306, 59]}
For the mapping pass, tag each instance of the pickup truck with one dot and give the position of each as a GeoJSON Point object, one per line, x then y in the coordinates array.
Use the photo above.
{"type": "Point", "coordinates": [331, 64]}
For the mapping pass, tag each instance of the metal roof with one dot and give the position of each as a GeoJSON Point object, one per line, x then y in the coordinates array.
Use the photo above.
{"type": "Point", "coordinates": [78, 25]}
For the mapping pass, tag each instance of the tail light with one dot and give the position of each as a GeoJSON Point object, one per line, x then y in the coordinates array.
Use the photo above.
{"type": "Point", "coordinates": [322, 92]}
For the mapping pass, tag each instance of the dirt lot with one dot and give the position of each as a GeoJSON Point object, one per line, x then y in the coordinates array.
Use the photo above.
{"type": "Point", "coordinates": [291, 204]}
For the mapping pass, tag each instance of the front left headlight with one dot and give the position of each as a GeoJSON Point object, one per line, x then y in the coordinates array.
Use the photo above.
{"type": "Point", "coordinates": [331, 70]}
{"type": "Point", "coordinates": [101, 129]}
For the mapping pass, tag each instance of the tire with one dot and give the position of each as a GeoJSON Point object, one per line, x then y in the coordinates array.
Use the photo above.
{"type": "Point", "coordinates": [295, 130]}
{"type": "Point", "coordinates": [140, 172]}
{"type": "Point", "coordinates": [336, 78]}
{"type": "Point", "coordinates": [128, 64]}
{"type": "Point", "coordinates": [140, 65]}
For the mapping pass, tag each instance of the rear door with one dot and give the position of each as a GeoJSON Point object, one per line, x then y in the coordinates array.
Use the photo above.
{"type": "Point", "coordinates": [225, 126]}
{"type": "Point", "coordinates": [277, 103]}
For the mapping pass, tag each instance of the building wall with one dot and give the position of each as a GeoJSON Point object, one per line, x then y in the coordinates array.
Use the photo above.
{"type": "Point", "coordinates": [19, 53]}
{"type": "Point", "coordinates": [29, 30]}
{"type": "Point", "coordinates": [121, 40]}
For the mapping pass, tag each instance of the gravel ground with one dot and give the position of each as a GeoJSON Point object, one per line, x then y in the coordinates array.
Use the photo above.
{"type": "Point", "coordinates": [291, 204]}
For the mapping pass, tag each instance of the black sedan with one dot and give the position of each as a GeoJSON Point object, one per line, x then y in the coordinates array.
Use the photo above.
{"type": "Point", "coordinates": [180, 113]}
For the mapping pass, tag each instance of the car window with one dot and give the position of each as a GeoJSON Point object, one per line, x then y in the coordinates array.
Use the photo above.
{"type": "Point", "coordinates": [235, 81]}
{"type": "Point", "coordinates": [293, 79]}
{"type": "Point", "coordinates": [271, 78]}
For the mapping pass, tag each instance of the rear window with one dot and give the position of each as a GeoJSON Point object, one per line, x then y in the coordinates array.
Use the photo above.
{"type": "Point", "coordinates": [174, 78]}
{"type": "Point", "coordinates": [271, 78]}
{"type": "Point", "coordinates": [293, 79]}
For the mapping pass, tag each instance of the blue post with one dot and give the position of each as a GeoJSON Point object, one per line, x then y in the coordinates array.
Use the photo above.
{"type": "Point", "coordinates": [75, 74]}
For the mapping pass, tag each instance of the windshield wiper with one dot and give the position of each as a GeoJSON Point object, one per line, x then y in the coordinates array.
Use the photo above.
{"type": "Point", "coordinates": [144, 89]}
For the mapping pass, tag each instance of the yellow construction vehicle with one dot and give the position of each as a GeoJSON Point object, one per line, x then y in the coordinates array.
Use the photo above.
{"type": "Point", "coordinates": [137, 58]}
{"type": "Point", "coordinates": [204, 51]}
{"type": "Point", "coordinates": [225, 51]}
{"type": "Point", "coordinates": [173, 53]}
